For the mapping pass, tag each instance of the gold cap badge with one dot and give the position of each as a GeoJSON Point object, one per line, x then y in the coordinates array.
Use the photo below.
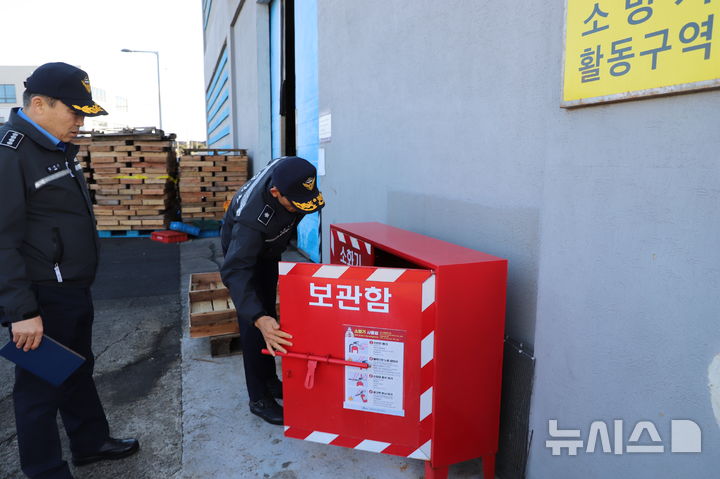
{"type": "Point", "coordinates": [309, 184]}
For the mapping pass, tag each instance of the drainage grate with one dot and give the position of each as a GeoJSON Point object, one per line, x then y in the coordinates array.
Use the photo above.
{"type": "Point", "coordinates": [515, 436]}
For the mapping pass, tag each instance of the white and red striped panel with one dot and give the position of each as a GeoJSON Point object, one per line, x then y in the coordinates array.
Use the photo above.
{"type": "Point", "coordinates": [346, 249]}
{"type": "Point", "coordinates": [345, 238]}
{"type": "Point", "coordinates": [427, 364]}
{"type": "Point", "coordinates": [422, 452]}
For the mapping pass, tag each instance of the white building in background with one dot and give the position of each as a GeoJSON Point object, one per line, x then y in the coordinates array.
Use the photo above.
{"type": "Point", "coordinates": [11, 88]}
{"type": "Point", "coordinates": [117, 106]}
{"type": "Point", "coordinates": [116, 103]}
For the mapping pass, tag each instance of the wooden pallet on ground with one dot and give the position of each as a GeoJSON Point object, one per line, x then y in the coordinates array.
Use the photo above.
{"type": "Point", "coordinates": [212, 312]}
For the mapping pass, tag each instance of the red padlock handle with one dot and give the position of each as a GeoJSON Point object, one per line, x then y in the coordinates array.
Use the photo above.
{"type": "Point", "coordinates": [310, 376]}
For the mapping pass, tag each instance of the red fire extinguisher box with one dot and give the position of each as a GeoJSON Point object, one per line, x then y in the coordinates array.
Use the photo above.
{"type": "Point", "coordinates": [397, 347]}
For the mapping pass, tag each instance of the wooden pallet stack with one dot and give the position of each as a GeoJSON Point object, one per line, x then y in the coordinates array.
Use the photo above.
{"type": "Point", "coordinates": [208, 179]}
{"type": "Point", "coordinates": [133, 178]}
{"type": "Point", "coordinates": [83, 155]}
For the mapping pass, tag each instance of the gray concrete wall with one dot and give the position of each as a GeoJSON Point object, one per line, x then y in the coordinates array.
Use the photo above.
{"type": "Point", "coordinates": [446, 121]}
{"type": "Point", "coordinates": [250, 59]}
{"type": "Point", "coordinates": [436, 126]}
{"type": "Point", "coordinates": [628, 297]}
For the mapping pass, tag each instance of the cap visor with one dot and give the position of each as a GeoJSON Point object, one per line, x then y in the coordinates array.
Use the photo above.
{"type": "Point", "coordinates": [92, 109]}
{"type": "Point", "coordinates": [314, 203]}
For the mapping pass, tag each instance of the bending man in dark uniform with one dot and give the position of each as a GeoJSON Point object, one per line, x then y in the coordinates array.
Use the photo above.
{"type": "Point", "coordinates": [257, 228]}
{"type": "Point", "coordinates": [48, 259]}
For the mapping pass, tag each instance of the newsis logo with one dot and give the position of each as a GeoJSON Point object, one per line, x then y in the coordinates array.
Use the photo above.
{"type": "Point", "coordinates": [685, 437]}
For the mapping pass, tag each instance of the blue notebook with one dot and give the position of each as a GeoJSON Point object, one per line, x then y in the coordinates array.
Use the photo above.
{"type": "Point", "coordinates": [51, 360]}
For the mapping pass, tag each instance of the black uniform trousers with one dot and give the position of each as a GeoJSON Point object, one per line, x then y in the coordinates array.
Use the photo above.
{"type": "Point", "coordinates": [67, 314]}
{"type": "Point", "coordinates": [260, 368]}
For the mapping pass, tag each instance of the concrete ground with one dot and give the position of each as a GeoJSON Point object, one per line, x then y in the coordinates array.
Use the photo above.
{"type": "Point", "coordinates": [188, 409]}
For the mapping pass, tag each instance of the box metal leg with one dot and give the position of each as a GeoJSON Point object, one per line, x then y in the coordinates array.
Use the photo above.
{"type": "Point", "coordinates": [488, 463]}
{"type": "Point", "coordinates": [432, 472]}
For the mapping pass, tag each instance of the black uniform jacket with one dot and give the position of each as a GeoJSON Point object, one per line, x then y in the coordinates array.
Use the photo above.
{"type": "Point", "coordinates": [47, 228]}
{"type": "Point", "coordinates": [255, 232]}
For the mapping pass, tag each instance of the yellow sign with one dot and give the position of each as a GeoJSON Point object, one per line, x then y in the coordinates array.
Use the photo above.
{"type": "Point", "coordinates": [624, 49]}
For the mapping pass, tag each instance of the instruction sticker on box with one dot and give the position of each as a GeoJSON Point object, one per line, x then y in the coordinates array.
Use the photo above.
{"type": "Point", "coordinates": [379, 388]}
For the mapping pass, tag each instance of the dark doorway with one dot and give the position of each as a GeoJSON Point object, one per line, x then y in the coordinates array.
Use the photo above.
{"type": "Point", "coordinates": [287, 89]}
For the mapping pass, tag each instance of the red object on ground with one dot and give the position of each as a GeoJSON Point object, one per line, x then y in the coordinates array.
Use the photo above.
{"type": "Point", "coordinates": [168, 236]}
{"type": "Point", "coordinates": [426, 316]}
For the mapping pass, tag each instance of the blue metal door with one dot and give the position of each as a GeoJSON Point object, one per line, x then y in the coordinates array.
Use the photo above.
{"type": "Point", "coordinates": [306, 98]}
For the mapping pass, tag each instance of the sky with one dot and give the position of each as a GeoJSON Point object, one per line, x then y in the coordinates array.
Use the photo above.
{"type": "Point", "coordinates": [91, 33]}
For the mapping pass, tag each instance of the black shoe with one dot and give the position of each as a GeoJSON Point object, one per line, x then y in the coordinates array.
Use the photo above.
{"type": "Point", "coordinates": [274, 387]}
{"type": "Point", "coordinates": [268, 410]}
{"type": "Point", "coordinates": [111, 449]}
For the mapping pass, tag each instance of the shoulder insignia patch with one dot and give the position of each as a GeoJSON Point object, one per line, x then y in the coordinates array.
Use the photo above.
{"type": "Point", "coordinates": [266, 214]}
{"type": "Point", "coordinates": [54, 168]}
{"type": "Point", "coordinates": [12, 139]}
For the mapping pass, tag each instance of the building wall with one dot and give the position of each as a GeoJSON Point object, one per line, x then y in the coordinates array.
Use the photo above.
{"type": "Point", "coordinates": [217, 16]}
{"type": "Point", "coordinates": [251, 73]}
{"type": "Point", "coordinates": [446, 121]}
{"type": "Point", "coordinates": [238, 30]}
{"type": "Point", "coordinates": [428, 137]}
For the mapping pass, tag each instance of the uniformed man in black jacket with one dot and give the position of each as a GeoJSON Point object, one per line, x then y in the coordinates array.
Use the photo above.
{"type": "Point", "coordinates": [258, 226]}
{"type": "Point", "coordinates": [48, 260]}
